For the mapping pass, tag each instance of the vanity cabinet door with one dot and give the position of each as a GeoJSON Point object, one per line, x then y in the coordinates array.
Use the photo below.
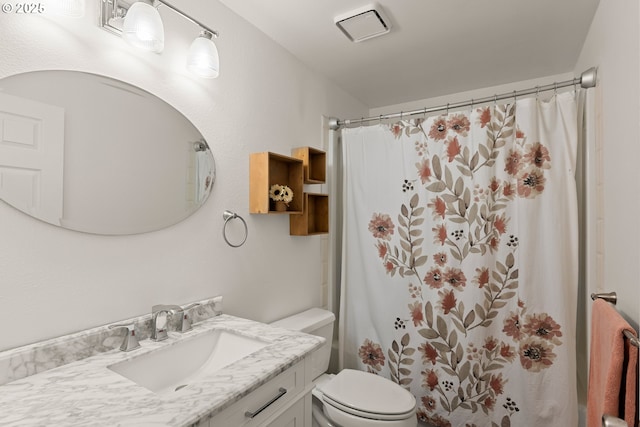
{"type": "Point", "coordinates": [292, 417]}
{"type": "Point", "coordinates": [265, 402]}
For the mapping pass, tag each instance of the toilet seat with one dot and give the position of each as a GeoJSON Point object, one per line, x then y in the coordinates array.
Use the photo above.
{"type": "Point", "coordinates": [366, 395]}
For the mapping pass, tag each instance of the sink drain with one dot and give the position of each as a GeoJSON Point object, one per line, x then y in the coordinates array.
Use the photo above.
{"type": "Point", "coordinates": [180, 387]}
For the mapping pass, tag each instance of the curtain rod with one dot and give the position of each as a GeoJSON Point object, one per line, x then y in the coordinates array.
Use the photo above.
{"type": "Point", "coordinates": [586, 80]}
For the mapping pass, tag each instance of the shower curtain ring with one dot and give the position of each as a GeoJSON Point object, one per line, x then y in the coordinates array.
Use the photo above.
{"type": "Point", "coordinates": [537, 91]}
{"type": "Point", "coordinates": [495, 99]}
{"type": "Point", "coordinates": [380, 120]}
{"type": "Point", "coordinates": [555, 88]}
{"type": "Point", "coordinates": [447, 108]}
{"type": "Point", "coordinates": [515, 96]}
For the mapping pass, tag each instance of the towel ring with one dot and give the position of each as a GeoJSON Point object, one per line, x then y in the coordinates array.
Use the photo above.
{"type": "Point", "coordinates": [228, 216]}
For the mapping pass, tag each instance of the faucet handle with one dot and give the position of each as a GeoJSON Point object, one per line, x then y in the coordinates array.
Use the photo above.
{"type": "Point", "coordinates": [187, 323]}
{"type": "Point", "coordinates": [130, 341]}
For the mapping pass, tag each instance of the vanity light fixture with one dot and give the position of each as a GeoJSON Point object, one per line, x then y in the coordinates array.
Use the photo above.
{"type": "Point", "coordinates": [139, 23]}
{"type": "Point", "coordinates": [143, 28]}
{"type": "Point", "coordinates": [203, 59]}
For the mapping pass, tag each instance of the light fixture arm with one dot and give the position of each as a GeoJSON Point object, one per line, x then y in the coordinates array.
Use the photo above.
{"type": "Point", "coordinates": [184, 15]}
{"type": "Point", "coordinates": [118, 8]}
{"type": "Point", "coordinates": [140, 24]}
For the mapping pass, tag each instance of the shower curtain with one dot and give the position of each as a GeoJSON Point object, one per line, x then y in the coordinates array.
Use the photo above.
{"type": "Point", "coordinates": [459, 267]}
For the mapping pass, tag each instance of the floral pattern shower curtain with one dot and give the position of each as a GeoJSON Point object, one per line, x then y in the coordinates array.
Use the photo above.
{"type": "Point", "coordinates": [460, 262]}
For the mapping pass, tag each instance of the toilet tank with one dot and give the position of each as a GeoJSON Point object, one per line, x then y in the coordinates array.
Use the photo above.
{"type": "Point", "coordinates": [314, 321]}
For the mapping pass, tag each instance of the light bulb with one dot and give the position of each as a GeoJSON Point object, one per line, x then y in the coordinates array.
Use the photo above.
{"type": "Point", "coordinates": [143, 27]}
{"type": "Point", "coordinates": [203, 59]}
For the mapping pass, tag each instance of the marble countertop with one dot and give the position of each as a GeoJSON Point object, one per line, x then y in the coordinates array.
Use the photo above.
{"type": "Point", "coordinates": [87, 393]}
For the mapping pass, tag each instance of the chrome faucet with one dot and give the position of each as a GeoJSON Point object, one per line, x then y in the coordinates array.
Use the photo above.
{"type": "Point", "coordinates": [159, 334]}
{"type": "Point", "coordinates": [130, 341]}
{"type": "Point", "coordinates": [185, 324]}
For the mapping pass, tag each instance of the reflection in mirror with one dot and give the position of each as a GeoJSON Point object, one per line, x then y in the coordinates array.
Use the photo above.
{"type": "Point", "coordinates": [98, 155]}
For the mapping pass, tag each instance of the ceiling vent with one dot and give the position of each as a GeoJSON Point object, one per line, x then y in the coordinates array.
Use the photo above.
{"type": "Point", "coordinates": [364, 23]}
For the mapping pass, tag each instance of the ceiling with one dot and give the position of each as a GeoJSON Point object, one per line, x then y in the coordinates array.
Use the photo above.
{"type": "Point", "coordinates": [434, 48]}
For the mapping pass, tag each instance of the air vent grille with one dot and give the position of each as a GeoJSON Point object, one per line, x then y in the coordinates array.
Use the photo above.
{"type": "Point", "coordinates": [364, 23]}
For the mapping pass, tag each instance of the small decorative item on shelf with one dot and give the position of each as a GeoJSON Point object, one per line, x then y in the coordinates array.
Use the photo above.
{"type": "Point", "coordinates": [281, 196]}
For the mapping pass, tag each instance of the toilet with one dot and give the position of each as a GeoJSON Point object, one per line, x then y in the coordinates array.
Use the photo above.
{"type": "Point", "coordinates": [349, 398]}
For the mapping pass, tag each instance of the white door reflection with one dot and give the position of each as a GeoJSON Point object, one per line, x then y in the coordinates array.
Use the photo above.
{"type": "Point", "coordinates": [32, 156]}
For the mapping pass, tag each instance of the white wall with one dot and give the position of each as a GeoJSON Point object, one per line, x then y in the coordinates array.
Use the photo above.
{"type": "Point", "coordinates": [54, 281]}
{"type": "Point", "coordinates": [486, 92]}
{"type": "Point", "coordinates": [613, 45]}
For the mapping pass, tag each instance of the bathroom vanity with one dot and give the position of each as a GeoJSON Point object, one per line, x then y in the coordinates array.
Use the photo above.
{"type": "Point", "coordinates": [251, 374]}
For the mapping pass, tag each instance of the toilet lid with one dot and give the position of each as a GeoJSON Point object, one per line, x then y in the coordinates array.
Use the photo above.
{"type": "Point", "coordinates": [368, 395]}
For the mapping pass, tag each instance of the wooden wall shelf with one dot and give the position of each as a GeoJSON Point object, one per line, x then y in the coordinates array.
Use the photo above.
{"type": "Point", "coordinates": [309, 212]}
{"type": "Point", "coordinates": [314, 162]}
{"type": "Point", "coordinates": [315, 216]}
{"type": "Point", "coordinates": [266, 169]}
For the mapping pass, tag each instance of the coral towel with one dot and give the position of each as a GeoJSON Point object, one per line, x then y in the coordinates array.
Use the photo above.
{"type": "Point", "coordinates": [613, 367]}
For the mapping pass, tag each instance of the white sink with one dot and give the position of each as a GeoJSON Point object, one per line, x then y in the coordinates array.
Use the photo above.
{"type": "Point", "coordinates": [172, 368]}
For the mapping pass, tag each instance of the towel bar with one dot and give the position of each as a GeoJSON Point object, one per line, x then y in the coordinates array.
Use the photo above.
{"type": "Point", "coordinates": [609, 421]}
{"type": "Point", "coordinates": [612, 297]}
{"type": "Point", "coordinates": [632, 339]}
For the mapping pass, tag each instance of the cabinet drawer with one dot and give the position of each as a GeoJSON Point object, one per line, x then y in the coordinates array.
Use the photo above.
{"type": "Point", "coordinates": [263, 402]}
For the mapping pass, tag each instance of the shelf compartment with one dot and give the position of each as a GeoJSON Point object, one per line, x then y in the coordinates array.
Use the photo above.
{"type": "Point", "coordinates": [266, 169]}
{"type": "Point", "coordinates": [314, 162]}
{"type": "Point", "coordinates": [315, 216]}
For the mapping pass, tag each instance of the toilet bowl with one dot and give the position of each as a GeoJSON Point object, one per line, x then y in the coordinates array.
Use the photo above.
{"type": "Point", "coordinates": [349, 398]}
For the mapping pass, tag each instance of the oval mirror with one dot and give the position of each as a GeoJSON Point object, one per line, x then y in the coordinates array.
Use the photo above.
{"type": "Point", "coordinates": [98, 155]}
